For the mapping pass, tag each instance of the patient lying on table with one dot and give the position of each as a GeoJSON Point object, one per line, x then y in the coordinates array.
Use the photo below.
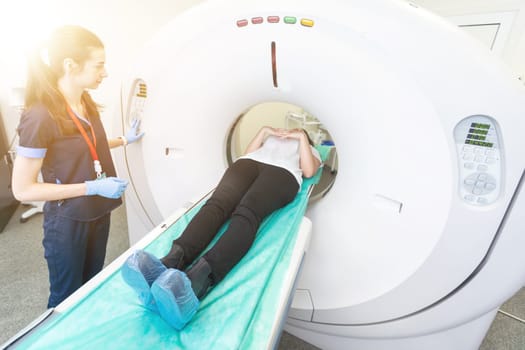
{"type": "Point", "coordinates": [265, 179]}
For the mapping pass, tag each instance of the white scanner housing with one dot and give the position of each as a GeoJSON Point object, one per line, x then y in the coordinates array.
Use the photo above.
{"type": "Point", "coordinates": [421, 237]}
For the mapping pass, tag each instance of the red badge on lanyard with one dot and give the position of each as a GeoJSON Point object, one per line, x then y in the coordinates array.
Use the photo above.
{"type": "Point", "coordinates": [92, 145]}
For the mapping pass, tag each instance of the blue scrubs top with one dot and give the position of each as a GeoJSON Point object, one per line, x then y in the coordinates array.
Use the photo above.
{"type": "Point", "coordinates": [67, 160]}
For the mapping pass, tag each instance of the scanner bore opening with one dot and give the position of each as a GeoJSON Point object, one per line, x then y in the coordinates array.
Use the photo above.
{"type": "Point", "coordinates": [284, 115]}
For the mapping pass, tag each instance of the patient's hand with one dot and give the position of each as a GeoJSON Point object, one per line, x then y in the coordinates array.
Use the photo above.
{"type": "Point", "coordinates": [297, 134]}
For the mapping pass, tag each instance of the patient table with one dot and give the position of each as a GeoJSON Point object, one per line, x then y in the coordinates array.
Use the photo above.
{"type": "Point", "coordinates": [245, 311]}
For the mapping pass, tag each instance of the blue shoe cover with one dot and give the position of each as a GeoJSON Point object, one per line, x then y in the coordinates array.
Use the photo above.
{"type": "Point", "coordinates": [140, 270]}
{"type": "Point", "coordinates": [176, 301]}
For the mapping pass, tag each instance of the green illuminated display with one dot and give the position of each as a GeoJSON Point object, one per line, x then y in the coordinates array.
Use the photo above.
{"type": "Point", "coordinates": [478, 131]}
{"type": "Point", "coordinates": [478, 143]}
{"type": "Point", "coordinates": [480, 126]}
{"type": "Point", "coordinates": [476, 137]}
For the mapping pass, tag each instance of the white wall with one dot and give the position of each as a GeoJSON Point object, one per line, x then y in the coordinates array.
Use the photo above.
{"type": "Point", "coordinates": [513, 52]}
{"type": "Point", "coordinates": [123, 25]}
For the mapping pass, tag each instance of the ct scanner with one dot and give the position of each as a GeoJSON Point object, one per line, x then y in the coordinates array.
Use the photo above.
{"type": "Point", "coordinates": [420, 238]}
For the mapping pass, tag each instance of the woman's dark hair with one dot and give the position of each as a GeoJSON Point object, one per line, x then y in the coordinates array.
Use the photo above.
{"type": "Point", "coordinates": [72, 42]}
{"type": "Point", "coordinates": [308, 137]}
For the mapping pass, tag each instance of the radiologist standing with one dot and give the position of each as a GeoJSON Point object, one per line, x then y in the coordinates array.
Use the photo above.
{"type": "Point", "coordinates": [62, 137]}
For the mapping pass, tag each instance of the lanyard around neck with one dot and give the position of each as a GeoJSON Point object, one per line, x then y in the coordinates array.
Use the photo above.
{"type": "Point", "coordinates": [92, 145]}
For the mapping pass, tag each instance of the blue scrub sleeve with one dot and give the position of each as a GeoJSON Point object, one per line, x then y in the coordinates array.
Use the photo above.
{"type": "Point", "coordinates": [36, 131]}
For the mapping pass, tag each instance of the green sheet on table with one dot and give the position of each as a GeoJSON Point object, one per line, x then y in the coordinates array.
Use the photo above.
{"type": "Point", "coordinates": [236, 314]}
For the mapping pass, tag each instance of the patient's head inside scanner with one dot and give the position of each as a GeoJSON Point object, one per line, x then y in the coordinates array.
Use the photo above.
{"type": "Point", "coordinates": [288, 116]}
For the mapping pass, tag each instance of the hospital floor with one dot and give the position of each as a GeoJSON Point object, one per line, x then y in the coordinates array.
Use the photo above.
{"type": "Point", "coordinates": [24, 285]}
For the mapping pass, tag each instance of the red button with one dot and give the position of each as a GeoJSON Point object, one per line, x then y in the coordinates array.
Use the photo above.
{"type": "Point", "coordinates": [257, 20]}
{"type": "Point", "coordinates": [242, 23]}
{"type": "Point", "coordinates": [273, 19]}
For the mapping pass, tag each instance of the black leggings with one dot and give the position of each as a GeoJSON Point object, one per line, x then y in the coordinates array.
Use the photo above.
{"type": "Point", "coordinates": [247, 193]}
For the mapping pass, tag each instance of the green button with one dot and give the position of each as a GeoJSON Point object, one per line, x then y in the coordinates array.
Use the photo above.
{"type": "Point", "coordinates": [290, 20]}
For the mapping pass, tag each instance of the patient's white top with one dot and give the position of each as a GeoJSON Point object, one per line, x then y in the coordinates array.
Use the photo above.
{"type": "Point", "coordinates": [283, 153]}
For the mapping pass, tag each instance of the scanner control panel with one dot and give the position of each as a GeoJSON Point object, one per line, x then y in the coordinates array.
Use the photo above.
{"type": "Point", "coordinates": [479, 151]}
{"type": "Point", "coordinates": [137, 99]}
